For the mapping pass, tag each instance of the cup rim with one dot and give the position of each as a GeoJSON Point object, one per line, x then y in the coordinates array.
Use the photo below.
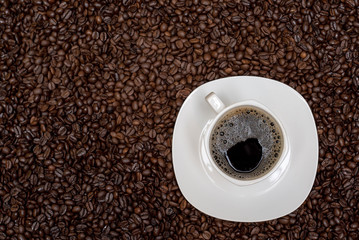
{"type": "Point", "coordinates": [223, 112]}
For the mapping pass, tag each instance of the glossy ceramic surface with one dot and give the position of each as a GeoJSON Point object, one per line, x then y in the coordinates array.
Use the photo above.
{"type": "Point", "coordinates": [277, 195]}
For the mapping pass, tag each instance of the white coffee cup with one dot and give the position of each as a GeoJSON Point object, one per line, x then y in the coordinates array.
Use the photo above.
{"type": "Point", "coordinates": [221, 109]}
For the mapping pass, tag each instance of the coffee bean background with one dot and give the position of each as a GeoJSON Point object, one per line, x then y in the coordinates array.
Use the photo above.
{"type": "Point", "coordinates": [90, 91]}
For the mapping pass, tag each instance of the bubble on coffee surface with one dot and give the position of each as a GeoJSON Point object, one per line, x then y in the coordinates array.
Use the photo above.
{"type": "Point", "coordinates": [239, 125]}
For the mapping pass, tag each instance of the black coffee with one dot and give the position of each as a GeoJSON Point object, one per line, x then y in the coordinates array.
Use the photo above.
{"type": "Point", "coordinates": [245, 156]}
{"type": "Point", "coordinates": [246, 143]}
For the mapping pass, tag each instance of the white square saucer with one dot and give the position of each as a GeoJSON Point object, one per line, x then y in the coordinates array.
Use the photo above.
{"type": "Point", "coordinates": [209, 191]}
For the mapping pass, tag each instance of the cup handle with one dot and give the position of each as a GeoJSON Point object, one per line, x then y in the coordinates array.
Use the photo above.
{"type": "Point", "coordinates": [215, 102]}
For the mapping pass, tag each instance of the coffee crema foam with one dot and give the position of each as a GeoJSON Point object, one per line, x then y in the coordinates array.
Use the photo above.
{"type": "Point", "coordinates": [239, 125]}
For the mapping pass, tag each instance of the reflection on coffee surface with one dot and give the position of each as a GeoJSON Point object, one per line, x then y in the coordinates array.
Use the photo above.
{"type": "Point", "coordinates": [246, 143]}
{"type": "Point", "coordinates": [245, 156]}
